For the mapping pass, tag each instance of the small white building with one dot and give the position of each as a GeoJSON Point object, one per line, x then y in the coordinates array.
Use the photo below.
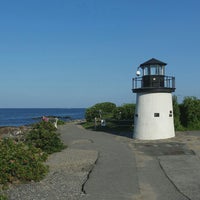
{"type": "Point", "coordinates": [154, 110]}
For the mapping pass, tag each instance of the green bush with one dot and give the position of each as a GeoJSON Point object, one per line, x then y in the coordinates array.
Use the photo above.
{"type": "Point", "coordinates": [176, 110]}
{"type": "Point", "coordinates": [117, 113]}
{"type": "Point", "coordinates": [100, 110]}
{"type": "Point", "coordinates": [190, 113]}
{"type": "Point", "coordinates": [3, 197]}
{"type": "Point", "coordinates": [61, 122]}
{"type": "Point", "coordinates": [91, 113]}
{"type": "Point", "coordinates": [44, 136]}
{"type": "Point", "coordinates": [125, 112]}
{"type": "Point", "coordinates": [20, 162]}
{"type": "Point", "coordinates": [44, 125]}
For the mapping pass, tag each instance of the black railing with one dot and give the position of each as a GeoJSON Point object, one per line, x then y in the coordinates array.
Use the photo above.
{"type": "Point", "coordinates": [153, 82]}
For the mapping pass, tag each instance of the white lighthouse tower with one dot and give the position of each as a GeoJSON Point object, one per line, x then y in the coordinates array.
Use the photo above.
{"type": "Point", "coordinates": [154, 111]}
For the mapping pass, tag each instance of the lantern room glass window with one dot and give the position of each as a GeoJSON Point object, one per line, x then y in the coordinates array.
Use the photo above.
{"type": "Point", "coordinates": [146, 71]}
{"type": "Point", "coordinates": [161, 70]}
{"type": "Point", "coordinates": [154, 70]}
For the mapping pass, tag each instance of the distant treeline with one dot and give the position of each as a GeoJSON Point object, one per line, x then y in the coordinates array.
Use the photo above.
{"type": "Point", "coordinates": [186, 114]}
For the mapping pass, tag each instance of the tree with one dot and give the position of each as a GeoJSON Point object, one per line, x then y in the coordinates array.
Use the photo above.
{"type": "Point", "coordinates": [190, 113]}
{"type": "Point", "coordinates": [100, 110]}
{"type": "Point", "coordinates": [118, 113]}
{"type": "Point", "coordinates": [129, 111]}
{"type": "Point", "coordinates": [176, 110]}
{"type": "Point", "coordinates": [124, 112]}
{"type": "Point", "coordinates": [91, 113]}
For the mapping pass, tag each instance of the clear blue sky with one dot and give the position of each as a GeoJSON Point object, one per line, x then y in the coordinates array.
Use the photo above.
{"type": "Point", "coordinates": [75, 53]}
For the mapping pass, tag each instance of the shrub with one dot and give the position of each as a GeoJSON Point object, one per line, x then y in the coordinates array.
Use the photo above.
{"type": "Point", "coordinates": [20, 162]}
{"type": "Point", "coordinates": [3, 197]}
{"type": "Point", "coordinates": [129, 111]}
{"type": "Point", "coordinates": [190, 113]}
{"type": "Point", "coordinates": [176, 111]}
{"type": "Point", "coordinates": [118, 113]}
{"type": "Point", "coordinates": [125, 112]}
{"type": "Point", "coordinates": [44, 136]}
{"type": "Point", "coordinates": [106, 107]}
{"type": "Point", "coordinates": [91, 113]}
{"type": "Point", "coordinates": [44, 125]}
{"type": "Point", "coordinates": [100, 110]}
{"type": "Point", "coordinates": [61, 122]}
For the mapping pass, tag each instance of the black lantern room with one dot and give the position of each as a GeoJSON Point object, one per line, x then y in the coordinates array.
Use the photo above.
{"type": "Point", "coordinates": [153, 78]}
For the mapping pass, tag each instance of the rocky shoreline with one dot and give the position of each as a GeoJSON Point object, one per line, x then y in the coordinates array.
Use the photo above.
{"type": "Point", "coordinates": [14, 132]}
{"type": "Point", "coordinates": [19, 131]}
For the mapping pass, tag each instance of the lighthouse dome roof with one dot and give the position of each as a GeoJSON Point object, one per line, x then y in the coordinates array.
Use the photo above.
{"type": "Point", "coordinates": [153, 61]}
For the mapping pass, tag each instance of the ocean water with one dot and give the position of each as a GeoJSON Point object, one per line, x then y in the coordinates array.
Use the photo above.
{"type": "Point", "coordinates": [27, 116]}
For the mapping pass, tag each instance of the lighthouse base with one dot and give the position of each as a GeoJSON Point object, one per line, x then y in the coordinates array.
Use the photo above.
{"type": "Point", "coordinates": [153, 118]}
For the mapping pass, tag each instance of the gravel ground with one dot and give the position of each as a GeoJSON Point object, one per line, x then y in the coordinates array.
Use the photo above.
{"type": "Point", "coordinates": [69, 170]}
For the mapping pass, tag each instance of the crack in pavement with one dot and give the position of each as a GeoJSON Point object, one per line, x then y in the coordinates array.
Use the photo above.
{"type": "Point", "coordinates": [164, 172]}
{"type": "Point", "coordinates": [88, 176]}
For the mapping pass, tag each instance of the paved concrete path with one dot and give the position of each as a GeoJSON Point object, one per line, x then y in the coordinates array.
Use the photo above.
{"type": "Point", "coordinates": [138, 170]}
{"type": "Point", "coordinates": [115, 174]}
{"type": "Point", "coordinates": [169, 169]}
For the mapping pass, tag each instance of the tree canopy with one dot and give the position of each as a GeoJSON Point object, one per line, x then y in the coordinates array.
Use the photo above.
{"type": "Point", "coordinates": [108, 110]}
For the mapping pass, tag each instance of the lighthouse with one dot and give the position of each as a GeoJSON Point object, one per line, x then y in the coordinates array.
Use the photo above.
{"type": "Point", "coordinates": [153, 118]}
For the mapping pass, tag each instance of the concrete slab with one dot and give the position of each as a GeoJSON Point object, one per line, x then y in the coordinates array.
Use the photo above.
{"type": "Point", "coordinates": [154, 185]}
{"type": "Point", "coordinates": [184, 172]}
